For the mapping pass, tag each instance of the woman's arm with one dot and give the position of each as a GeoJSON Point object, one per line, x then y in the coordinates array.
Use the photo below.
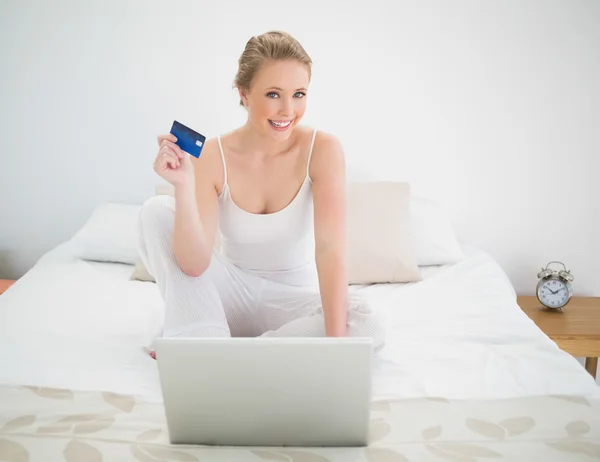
{"type": "Point", "coordinates": [196, 214]}
{"type": "Point", "coordinates": [328, 174]}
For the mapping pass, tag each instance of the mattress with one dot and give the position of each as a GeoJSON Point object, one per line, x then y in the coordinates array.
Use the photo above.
{"type": "Point", "coordinates": [464, 372]}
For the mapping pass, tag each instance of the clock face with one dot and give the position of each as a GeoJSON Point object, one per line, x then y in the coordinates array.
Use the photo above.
{"type": "Point", "coordinates": [553, 293]}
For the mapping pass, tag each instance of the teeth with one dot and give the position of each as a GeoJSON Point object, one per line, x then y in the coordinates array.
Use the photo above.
{"type": "Point", "coordinates": [281, 124]}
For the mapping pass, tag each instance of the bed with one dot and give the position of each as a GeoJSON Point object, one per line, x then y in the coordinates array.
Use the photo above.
{"type": "Point", "coordinates": [464, 376]}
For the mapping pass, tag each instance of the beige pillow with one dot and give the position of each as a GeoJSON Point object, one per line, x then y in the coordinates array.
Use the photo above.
{"type": "Point", "coordinates": [140, 273]}
{"type": "Point", "coordinates": [164, 189]}
{"type": "Point", "coordinates": [379, 242]}
{"type": "Point", "coordinates": [379, 239]}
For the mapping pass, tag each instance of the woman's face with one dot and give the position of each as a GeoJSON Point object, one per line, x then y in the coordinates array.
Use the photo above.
{"type": "Point", "coordinates": [277, 98]}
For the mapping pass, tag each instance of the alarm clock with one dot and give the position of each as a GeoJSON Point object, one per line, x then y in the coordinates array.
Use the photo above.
{"type": "Point", "coordinates": [554, 289]}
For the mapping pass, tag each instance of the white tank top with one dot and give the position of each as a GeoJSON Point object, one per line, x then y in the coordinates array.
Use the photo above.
{"type": "Point", "coordinates": [278, 246]}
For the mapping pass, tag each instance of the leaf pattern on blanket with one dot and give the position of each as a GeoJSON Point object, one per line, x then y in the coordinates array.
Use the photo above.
{"type": "Point", "coordinates": [19, 422]}
{"type": "Point", "coordinates": [267, 455]}
{"type": "Point", "coordinates": [289, 456]}
{"type": "Point", "coordinates": [572, 399]}
{"type": "Point", "coordinates": [13, 452]}
{"type": "Point", "coordinates": [122, 402]}
{"type": "Point", "coordinates": [93, 426]}
{"type": "Point", "coordinates": [487, 429]}
{"type": "Point", "coordinates": [76, 451]}
{"type": "Point", "coordinates": [140, 455]}
{"type": "Point", "coordinates": [148, 453]}
{"type": "Point", "coordinates": [508, 427]}
{"type": "Point", "coordinates": [451, 457]}
{"type": "Point", "coordinates": [383, 455]}
{"type": "Point", "coordinates": [461, 452]}
{"type": "Point", "coordinates": [379, 429]}
{"type": "Point", "coordinates": [79, 424]}
{"type": "Point", "coordinates": [381, 406]}
{"type": "Point", "coordinates": [577, 428]}
{"type": "Point", "coordinates": [579, 447]}
{"type": "Point", "coordinates": [432, 432]}
{"type": "Point", "coordinates": [517, 425]}
{"type": "Point", "coordinates": [303, 456]}
{"type": "Point", "coordinates": [53, 393]}
{"type": "Point", "coordinates": [149, 435]}
{"type": "Point", "coordinates": [436, 399]}
{"type": "Point", "coordinates": [66, 424]}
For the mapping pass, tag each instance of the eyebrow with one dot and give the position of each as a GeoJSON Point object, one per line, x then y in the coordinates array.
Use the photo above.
{"type": "Point", "coordinates": [281, 89]}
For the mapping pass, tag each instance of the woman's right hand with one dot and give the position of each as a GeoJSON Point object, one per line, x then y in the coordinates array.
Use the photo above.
{"type": "Point", "coordinates": [171, 163]}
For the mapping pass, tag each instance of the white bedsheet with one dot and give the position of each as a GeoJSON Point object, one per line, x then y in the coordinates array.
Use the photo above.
{"type": "Point", "coordinates": [457, 334]}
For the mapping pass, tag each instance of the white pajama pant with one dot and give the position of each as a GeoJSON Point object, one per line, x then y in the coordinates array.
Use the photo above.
{"type": "Point", "coordinates": [227, 301]}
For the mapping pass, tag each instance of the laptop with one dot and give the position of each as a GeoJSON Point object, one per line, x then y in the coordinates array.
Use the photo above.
{"type": "Point", "coordinates": [259, 391]}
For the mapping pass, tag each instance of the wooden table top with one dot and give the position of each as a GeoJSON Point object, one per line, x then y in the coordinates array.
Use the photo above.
{"type": "Point", "coordinates": [579, 318]}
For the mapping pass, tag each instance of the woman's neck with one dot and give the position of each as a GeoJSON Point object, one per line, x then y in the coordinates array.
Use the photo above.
{"type": "Point", "coordinates": [256, 142]}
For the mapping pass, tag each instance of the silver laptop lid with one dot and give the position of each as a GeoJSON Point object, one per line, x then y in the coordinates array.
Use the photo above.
{"type": "Point", "coordinates": [266, 391]}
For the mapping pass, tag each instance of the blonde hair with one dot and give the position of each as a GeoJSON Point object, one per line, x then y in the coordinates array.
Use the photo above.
{"type": "Point", "coordinates": [270, 46]}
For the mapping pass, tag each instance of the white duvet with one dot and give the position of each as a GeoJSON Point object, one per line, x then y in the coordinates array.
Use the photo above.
{"type": "Point", "coordinates": [457, 334]}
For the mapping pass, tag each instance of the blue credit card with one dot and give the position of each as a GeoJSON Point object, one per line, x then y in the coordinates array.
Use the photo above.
{"type": "Point", "coordinates": [188, 140]}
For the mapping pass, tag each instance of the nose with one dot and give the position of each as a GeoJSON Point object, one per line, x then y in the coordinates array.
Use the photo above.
{"type": "Point", "coordinates": [286, 108]}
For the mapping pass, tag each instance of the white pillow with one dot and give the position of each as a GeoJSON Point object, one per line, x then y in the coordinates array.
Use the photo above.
{"type": "Point", "coordinates": [110, 234]}
{"type": "Point", "coordinates": [434, 237]}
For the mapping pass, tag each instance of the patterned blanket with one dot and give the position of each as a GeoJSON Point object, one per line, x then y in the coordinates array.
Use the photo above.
{"type": "Point", "coordinates": [45, 424]}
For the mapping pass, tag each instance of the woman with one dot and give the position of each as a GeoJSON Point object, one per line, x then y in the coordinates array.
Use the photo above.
{"type": "Point", "coordinates": [276, 192]}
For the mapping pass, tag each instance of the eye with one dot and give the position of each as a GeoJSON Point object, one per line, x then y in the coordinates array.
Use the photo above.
{"type": "Point", "coordinates": [301, 93]}
{"type": "Point", "coordinates": [272, 93]}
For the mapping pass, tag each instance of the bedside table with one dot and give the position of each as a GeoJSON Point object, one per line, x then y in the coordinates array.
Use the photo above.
{"type": "Point", "coordinates": [576, 330]}
{"type": "Point", "coordinates": [5, 284]}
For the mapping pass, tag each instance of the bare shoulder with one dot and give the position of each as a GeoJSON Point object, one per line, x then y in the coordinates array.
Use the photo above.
{"type": "Point", "coordinates": [325, 141]}
{"type": "Point", "coordinates": [328, 159]}
{"type": "Point", "coordinates": [209, 166]}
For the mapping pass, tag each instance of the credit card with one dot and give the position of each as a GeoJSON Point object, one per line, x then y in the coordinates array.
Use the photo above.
{"type": "Point", "coordinates": [188, 140]}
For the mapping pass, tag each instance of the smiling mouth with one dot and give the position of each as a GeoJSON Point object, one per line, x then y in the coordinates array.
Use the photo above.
{"type": "Point", "coordinates": [281, 123]}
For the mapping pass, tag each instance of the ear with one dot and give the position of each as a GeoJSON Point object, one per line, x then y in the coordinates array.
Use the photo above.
{"type": "Point", "coordinates": [243, 96]}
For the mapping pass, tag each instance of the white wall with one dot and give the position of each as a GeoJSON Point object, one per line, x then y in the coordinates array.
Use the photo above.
{"type": "Point", "coordinates": [489, 107]}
